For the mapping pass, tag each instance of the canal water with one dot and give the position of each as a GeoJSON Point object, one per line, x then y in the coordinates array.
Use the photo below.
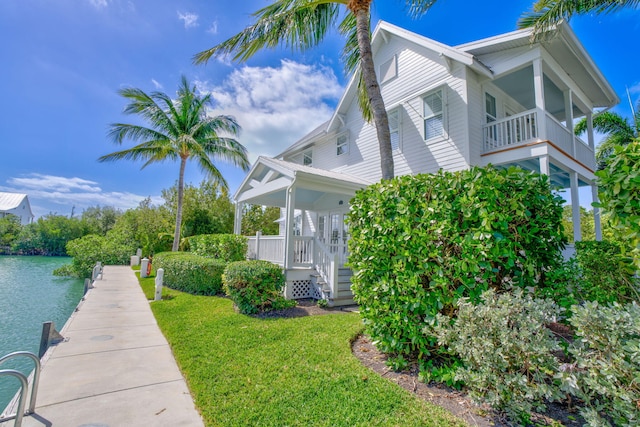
{"type": "Point", "coordinates": [30, 295]}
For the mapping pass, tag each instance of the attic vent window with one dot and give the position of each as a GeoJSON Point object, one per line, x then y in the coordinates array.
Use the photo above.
{"type": "Point", "coordinates": [342, 144]}
{"type": "Point", "coordinates": [389, 70]}
{"type": "Point", "coordinates": [307, 158]}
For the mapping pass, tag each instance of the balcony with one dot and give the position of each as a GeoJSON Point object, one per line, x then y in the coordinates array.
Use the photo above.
{"type": "Point", "coordinates": [534, 127]}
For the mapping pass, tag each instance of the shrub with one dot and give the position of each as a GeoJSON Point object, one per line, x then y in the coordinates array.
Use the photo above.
{"type": "Point", "coordinates": [88, 250]}
{"type": "Point", "coordinates": [227, 247]}
{"type": "Point", "coordinates": [505, 349]}
{"type": "Point", "coordinates": [421, 242]}
{"type": "Point", "coordinates": [256, 286]}
{"type": "Point", "coordinates": [606, 372]}
{"type": "Point", "coordinates": [190, 273]}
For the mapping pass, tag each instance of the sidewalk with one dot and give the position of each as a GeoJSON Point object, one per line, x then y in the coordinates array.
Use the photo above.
{"type": "Point", "coordinates": [115, 368]}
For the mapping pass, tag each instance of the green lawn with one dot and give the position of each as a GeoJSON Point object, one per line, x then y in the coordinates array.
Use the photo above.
{"type": "Point", "coordinates": [244, 371]}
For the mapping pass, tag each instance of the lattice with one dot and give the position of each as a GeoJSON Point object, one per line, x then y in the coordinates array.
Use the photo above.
{"type": "Point", "coordinates": [315, 292]}
{"type": "Point", "coordinates": [300, 289]}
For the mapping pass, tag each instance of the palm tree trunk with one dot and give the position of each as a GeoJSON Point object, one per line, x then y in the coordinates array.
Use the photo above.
{"type": "Point", "coordinates": [176, 235]}
{"type": "Point", "coordinates": [361, 8]}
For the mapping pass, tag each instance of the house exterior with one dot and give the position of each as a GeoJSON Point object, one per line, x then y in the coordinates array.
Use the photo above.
{"type": "Point", "coordinates": [16, 204]}
{"type": "Point", "coordinates": [500, 101]}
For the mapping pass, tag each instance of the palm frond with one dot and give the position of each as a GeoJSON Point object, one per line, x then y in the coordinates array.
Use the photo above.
{"type": "Point", "coordinates": [118, 132]}
{"type": "Point", "coordinates": [297, 24]}
{"type": "Point", "coordinates": [418, 8]}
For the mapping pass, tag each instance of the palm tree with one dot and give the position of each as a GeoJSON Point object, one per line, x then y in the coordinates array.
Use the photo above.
{"type": "Point", "coordinates": [547, 13]}
{"type": "Point", "coordinates": [302, 24]}
{"type": "Point", "coordinates": [178, 130]}
{"type": "Point", "coordinates": [618, 129]}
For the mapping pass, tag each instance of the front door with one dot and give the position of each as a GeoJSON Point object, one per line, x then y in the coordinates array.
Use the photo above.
{"type": "Point", "coordinates": [333, 231]}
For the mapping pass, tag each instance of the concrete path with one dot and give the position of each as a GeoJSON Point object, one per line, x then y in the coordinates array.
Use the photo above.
{"type": "Point", "coordinates": [115, 368]}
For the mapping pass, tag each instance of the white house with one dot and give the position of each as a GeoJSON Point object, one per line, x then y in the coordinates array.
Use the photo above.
{"type": "Point", "coordinates": [16, 204]}
{"type": "Point", "coordinates": [500, 101]}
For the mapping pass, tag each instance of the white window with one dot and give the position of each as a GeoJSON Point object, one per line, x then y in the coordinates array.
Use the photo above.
{"type": "Point", "coordinates": [394, 129]}
{"type": "Point", "coordinates": [342, 144]}
{"type": "Point", "coordinates": [434, 115]}
{"type": "Point", "coordinates": [307, 158]}
{"type": "Point", "coordinates": [388, 70]}
{"type": "Point", "coordinates": [490, 107]}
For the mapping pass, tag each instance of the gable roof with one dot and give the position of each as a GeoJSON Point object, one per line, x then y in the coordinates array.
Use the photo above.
{"type": "Point", "coordinates": [10, 201]}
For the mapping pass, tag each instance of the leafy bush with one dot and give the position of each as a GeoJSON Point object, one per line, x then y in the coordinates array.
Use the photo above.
{"type": "Point", "coordinates": [619, 194]}
{"type": "Point", "coordinates": [227, 247]}
{"type": "Point", "coordinates": [190, 273]}
{"type": "Point", "coordinates": [606, 372]}
{"type": "Point", "coordinates": [419, 243]}
{"type": "Point", "coordinates": [88, 250]}
{"type": "Point", "coordinates": [505, 349]}
{"type": "Point", "coordinates": [256, 286]}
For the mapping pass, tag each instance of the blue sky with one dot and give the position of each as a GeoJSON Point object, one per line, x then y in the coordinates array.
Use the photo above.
{"type": "Point", "coordinates": [62, 63]}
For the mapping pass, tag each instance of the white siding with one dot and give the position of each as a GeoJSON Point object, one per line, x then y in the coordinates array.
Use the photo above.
{"type": "Point", "coordinates": [494, 58]}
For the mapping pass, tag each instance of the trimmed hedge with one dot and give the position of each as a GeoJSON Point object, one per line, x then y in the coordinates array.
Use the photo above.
{"type": "Point", "coordinates": [419, 243]}
{"type": "Point", "coordinates": [190, 273]}
{"type": "Point", "coordinates": [255, 286]}
{"type": "Point", "coordinates": [226, 247]}
{"type": "Point", "coordinates": [88, 250]}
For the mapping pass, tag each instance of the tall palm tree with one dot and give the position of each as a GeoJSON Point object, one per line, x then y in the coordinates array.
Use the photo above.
{"type": "Point", "coordinates": [547, 13]}
{"type": "Point", "coordinates": [618, 130]}
{"type": "Point", "coordinates": [302, 24]}
{"type": "Point", "coordinates": [178, 130]}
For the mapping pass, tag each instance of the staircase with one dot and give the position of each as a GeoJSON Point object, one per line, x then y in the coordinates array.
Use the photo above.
{"type": "Point", "coordinates": [343, 296]}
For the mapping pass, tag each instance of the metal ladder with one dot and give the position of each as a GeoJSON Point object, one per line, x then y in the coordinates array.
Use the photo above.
{"type": "Point", "coordinates": [24, 386]}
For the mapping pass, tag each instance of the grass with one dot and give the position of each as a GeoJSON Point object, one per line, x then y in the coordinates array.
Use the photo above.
{"type": "Point", "coordinates": [280, 372]}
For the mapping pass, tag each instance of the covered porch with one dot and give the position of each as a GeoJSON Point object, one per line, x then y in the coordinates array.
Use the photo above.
{"type": "Point", "coordinates": [312, 243]}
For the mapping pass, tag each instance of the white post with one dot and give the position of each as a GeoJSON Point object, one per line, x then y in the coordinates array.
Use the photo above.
{"type": "Point", "coordinates": [590, 131]}
{"type": "Point", "coordinates": [568, 116]}
{"type": "Point", "coordinates": [597, 219]}
{"type": "Point", "coordinates": [135, 260]}
{"type": "Point", "coordinates": [159, 280]}
{"type": "Point", "coordinates": [544, 165]}
{"type": "Point", "coordinates": [237, 223]}
{"type": "Point", "coordinates": [139, 253]}
{"type": "Point", "coordinates": [538, 88]}
{"type": "Point", "coordinates": [258, 234]}
{"type": "Point", "coordinates": [288, 235]}
{"type": "Point", "coordinates": [575, 207]}
{"type": "Point", "coordinates": [144, 265]}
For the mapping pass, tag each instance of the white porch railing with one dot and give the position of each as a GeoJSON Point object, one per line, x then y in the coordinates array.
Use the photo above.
{"type": "Point", "coordinates": [268, 248]}
{"type": "Point", "coordinates": [303, 251]}
{"type": "Point", "coordinates": [327, 264]}
{"type": "Point", "coordinates": [525, 127]}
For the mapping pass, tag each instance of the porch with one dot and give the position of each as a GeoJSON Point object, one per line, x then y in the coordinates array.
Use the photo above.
{"type": "Point", "coordinates": [312, 244]}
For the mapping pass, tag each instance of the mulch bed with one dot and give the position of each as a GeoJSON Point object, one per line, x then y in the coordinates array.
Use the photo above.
{"type": "Point", "coordinates": [456, 402]}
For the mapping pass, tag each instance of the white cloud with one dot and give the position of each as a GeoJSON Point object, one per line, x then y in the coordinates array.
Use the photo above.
{"type": "Point", "coordinates": [157, 85]}
{"type": "Point", "coordinates": [99, 4]}
{"type": "Point", "coordinates": [213, 28]}
{"type": "Point", "coordinates": [276, 106]}
{"type": "Point", "coordinates": [190, 19]}
{"type": "Point", "coordinates": [635, 88]}
{"type": "Point", "coordinates": [48, 193]}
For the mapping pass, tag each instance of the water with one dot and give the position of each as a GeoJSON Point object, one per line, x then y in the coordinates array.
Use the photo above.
{"type": "Point", "coordinates": [30, 295]}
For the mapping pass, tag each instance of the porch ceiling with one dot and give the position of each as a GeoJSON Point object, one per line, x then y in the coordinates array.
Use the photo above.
{"type": "Point", "coordinates": [559, 177]}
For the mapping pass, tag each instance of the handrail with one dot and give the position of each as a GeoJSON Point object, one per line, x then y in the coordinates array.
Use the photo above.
{"type": "Point", "coordinates": [24, 385]}
{"type": "Point", "coordinates": [36, 375]}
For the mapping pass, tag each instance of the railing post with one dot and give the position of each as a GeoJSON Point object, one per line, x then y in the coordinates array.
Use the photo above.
{"type": "Point", "coordinates": [258, 235]}
{"type": "Point", "coordinates": [334, 275]}
{"type": "Point", "coordinates": [159, 281]}
{"type": "Point", "coordinates": [24, 385]}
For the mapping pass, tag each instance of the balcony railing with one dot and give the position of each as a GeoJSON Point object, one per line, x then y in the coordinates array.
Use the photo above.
{"type": "Point", "coordinates": [525, 127]}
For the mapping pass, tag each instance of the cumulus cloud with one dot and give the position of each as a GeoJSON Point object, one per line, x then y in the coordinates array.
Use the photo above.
{"type": "Point", "coordinates": [276, 106]}
{"type": "Point", "coordinates": [190, 19]}
{"type": "Point", "coordinates": [48, 193]}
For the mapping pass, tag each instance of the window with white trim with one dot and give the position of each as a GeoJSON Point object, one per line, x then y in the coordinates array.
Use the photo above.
{"type": "Point", "coordinates": [342, 144]}
{"type": "Point", "coordinates": [307, 158]}
{"type": "Point", "coordinates": [388, 70]}
{"type": "Point", "coordinates": [394, 129]}
{"type": "Point", "coordinates": [434, 114]}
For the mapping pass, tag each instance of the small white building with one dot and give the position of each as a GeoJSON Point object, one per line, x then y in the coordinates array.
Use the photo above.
{"type": "Point", "coordinates": [16, 204]}
{"type": "Point", "coordinates": [501, 100]}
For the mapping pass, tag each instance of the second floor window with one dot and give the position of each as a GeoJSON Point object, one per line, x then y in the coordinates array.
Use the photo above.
{"type": "Point", "coordinates": [307, 158]}
{"type": "Point", "coordinates": [394, 128]}
{"type": "Point", "coordinates": [342, 144]}
{"type": "Point", "coordinates": [433, 115]}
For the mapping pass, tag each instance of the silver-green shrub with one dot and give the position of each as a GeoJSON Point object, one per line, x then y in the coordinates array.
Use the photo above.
{"type": "Point", "coordinates": [506, 350]}
{"type": "Point", "coordinates": [606, 370]}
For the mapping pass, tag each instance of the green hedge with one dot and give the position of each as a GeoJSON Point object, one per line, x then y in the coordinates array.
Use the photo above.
{"type": "Point", "coordinates": [255, 286]}
{"type": "Point", "coordinates": [190, 273]}
{"type": "Point", "coordinates": [92, 248]}
{"type": "Point", "coordinates": [227, 247]}
{"type": "Point", "coordinates": [419, 243]}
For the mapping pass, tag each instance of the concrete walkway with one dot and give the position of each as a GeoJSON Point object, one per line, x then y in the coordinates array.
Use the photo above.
{"type": "Point", "coordinates": [115, 368]}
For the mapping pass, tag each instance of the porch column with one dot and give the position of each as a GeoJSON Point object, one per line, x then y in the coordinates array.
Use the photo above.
{"type": "Point", "coordinates": [237, 221]}
{"type": "Point", "coordinates": [596, 213]}
{"type": "Point", "coordinates": [538, 88]}
{"type": "Point", "coordinates": [575, 207]}
{"type": "Point", "coordinates": [590, 140]}
{"type": "Point", "coordinates": [288, 226]}
{"type": "Point", "coordinates": [568, 117]}
{"type": "Point", "coordinates": [544, 165]}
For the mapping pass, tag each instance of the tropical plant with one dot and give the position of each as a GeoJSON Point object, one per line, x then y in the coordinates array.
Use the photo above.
{"type": "Point", "coordinates": [179, 130]}
{"type": "Point", "coordinates": [547, 13]}
{"type": "Point", "coordinates": [619, 132]}
{"type": "Point", "coordinates": [302, 24]}
{"type": "Point", "coordinates": [258, 218]}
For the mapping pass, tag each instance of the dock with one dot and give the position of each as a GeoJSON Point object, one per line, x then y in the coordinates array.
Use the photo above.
{"type": "Point", "coordinates": [114, 367]}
